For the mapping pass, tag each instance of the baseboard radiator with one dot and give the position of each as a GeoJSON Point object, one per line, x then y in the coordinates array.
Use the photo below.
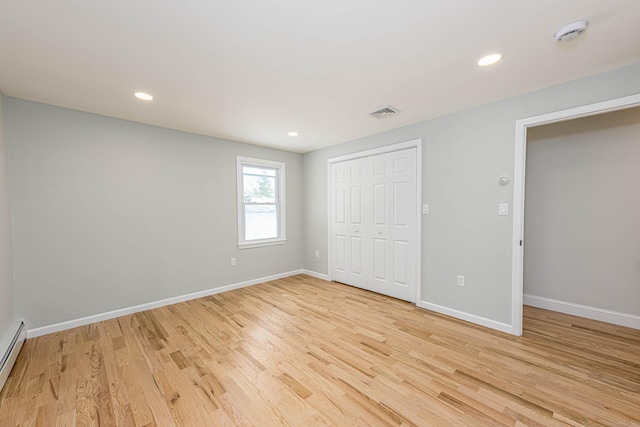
{"type": "Point", "coordinates": [9, 349]}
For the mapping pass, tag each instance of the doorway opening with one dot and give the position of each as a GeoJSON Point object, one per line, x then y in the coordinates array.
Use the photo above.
{"type": "Point", "coordinates": [519, 238]}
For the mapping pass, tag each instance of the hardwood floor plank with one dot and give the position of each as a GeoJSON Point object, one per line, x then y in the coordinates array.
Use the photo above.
{"type": "Point", "coordinates": [302, 351]}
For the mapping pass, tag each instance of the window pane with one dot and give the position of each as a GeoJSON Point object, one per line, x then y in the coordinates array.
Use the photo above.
{"type": "Point", "coordinates": [259, 189]}
{"type": "Point", "coordinates": [261, 222]}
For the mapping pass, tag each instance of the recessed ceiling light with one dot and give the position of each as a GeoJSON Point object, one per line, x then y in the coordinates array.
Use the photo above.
{"type": "Point", "coordinates": [489, 59]}
{"type": "Point", "coordinates": [143, 96]}
{"type": "Point", "coordinates": [293, 133]}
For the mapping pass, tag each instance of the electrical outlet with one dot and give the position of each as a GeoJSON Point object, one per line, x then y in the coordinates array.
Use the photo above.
{"type": "Point", "coordinates": [460, 280]}
{"type": "Point", "coordinates": [317, 254]}
{"type": "Point", "coordinates": [233, 262]}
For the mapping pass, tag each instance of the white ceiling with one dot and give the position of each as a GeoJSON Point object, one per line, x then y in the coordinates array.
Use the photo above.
{"type": "Point", "coordinates": [252, 70]}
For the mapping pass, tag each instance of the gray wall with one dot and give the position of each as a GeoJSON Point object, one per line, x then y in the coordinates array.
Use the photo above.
{"type": "Point", "coordinates": [582, 218]}
{"type": "Point", "coordinates": [463, 156]}
{"type": "Point", "coordinates": [109, 213]}
{"type": "Point", "coordinates": [6, 286]}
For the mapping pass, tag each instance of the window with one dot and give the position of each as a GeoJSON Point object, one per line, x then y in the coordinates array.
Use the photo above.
{"type": "Point", "coordinates": [261, 219]}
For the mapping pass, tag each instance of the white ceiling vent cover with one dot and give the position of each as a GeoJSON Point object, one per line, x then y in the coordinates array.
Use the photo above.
{"type": "Point", "coordinates": [385, 112]}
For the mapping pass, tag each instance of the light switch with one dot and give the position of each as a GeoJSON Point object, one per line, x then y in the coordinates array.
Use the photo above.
{"type": "Point", "coordinates": [425, 209]}
{"type": "Point", "coordinates": [503, 209]}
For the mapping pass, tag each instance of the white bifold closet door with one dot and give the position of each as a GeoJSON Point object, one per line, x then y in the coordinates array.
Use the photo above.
{"type": "Point", "coordinates": [373, 223]}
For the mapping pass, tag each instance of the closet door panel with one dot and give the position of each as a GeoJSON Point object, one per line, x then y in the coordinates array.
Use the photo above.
{"type": "Point", "coordinates": [398, 231]}
{"type": "Point", "coordinates": [347, 222]}
{"type": "Point", "coordinates": [373, 225]}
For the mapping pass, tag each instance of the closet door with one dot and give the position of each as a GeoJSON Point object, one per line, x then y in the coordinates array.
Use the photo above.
{"type": "Point", "coordinates": [347, 222]}
{"type": "Point", "coordinates": [373, 230]}
{"type": "Point", "coordinates": [393, 229]}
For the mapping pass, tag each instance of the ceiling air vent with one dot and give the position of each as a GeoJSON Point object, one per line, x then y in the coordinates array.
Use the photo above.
{"type": "Point", "coordinates": [385, 112]}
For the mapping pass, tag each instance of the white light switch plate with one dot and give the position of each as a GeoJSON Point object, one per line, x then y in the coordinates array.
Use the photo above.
{"type": "Point", "coordinates": [425, 209]}
{"type": "Point", "coordinates": [503, 209]}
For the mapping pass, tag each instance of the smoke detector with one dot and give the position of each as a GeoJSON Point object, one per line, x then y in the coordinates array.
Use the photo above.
{"type": "Point", "coordinates": [571, 31]}
{"type": "Point", "coordinates": [385, 112]}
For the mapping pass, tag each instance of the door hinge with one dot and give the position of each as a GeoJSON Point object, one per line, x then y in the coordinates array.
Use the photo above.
{"type": "Point", "coordinates": [520, 242]}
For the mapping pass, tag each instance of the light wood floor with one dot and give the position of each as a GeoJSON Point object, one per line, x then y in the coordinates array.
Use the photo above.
{"type": "Point", "coordinates": [305, 352]}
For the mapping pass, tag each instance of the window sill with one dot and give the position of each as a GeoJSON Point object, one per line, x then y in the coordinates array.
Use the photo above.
{"type": "Point", "coordinates": [262, 244]}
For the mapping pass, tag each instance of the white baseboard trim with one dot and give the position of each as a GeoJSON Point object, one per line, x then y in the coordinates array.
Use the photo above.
{"type": "Point", "coordinates": [316, 275]}
{"type": "Point", "coordinates": [57, 327]}
{"type": "Point", "coordinates": [472, 318]}
{"type": "Point", "coordinates": [602, 315]}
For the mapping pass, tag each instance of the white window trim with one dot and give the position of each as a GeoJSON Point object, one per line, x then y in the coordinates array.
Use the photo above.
{"type": "Point", "coordinates": [282, 229]}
